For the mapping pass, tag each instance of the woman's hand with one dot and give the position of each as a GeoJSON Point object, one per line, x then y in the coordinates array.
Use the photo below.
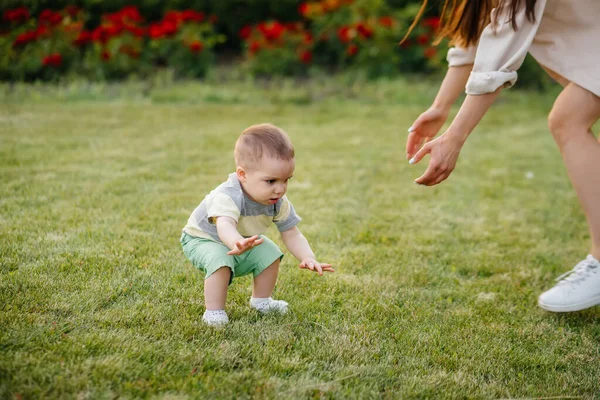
{"type": "Point", "coordinates": [444, 153]}
{"type": "Point", "coordinates": [425, 127]}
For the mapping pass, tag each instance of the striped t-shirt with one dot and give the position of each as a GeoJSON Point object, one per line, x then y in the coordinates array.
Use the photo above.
{"type": "Point", "coordinates": [229, 200]}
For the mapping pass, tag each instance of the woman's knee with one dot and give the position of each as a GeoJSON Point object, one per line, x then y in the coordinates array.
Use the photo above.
{"type": "Point", "coordinates": [558, 123]}
{"type": "Point", "coordinates": [567, 124]}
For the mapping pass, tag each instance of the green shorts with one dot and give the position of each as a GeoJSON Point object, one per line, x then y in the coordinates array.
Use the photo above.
{"type": "Point", "coordinates": [208, 256]}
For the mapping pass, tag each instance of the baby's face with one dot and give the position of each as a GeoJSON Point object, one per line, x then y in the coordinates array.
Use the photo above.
{"type": "Point", "coordinates": [266, 181]}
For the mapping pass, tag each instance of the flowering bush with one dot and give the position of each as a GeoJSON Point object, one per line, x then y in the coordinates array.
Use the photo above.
{"type": "Point", "coordinates": [275, 48]}
{"type": "Point", "coordinates": [365, 34]}
{"type": "Point", "coordinates": [361, 34]}
{"type": "Point", "coordinates": [120, 46]}
{"type": "Point", "coordinates": [115, 47]}
{"type": "Point", "coordinates": [41, 47]}
{"type": "Point", "coordinates": [184, 40]}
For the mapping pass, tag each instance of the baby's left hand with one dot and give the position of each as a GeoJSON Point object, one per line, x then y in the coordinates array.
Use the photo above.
{"type": "Point", "coordinates": [314, 265]}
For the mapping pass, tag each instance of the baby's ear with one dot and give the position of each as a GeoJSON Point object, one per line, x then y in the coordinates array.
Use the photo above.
{"type": "Point", "coordinates": [241, 173]}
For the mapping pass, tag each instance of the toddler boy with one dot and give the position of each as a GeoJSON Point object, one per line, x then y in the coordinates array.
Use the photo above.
{"type": "Point", "coordinates": [223, 236]}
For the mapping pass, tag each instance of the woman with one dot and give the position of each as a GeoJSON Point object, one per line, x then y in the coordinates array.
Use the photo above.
{"type": "Point", "coordinates": [490, 45]}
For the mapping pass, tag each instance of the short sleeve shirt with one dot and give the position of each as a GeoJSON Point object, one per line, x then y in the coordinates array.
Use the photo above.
{"type": "Point", "coordinates": [229, 200]}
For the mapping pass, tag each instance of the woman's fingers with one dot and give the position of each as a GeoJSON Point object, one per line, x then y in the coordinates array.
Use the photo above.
{"type": "Point", "coordinates": [441, 178]}
{"type": "Point", "coordinates": [426, 149]}
{"type": "Point", "coordinates": [413, 143]}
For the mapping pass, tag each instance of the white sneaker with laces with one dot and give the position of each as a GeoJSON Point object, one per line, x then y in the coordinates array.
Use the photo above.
{"type": "Point", "coordinates": [576, 290]}
{"type": "Point", "coordinates": [215, 317]}
{"type": "Point", "coordinates": [269, 305]}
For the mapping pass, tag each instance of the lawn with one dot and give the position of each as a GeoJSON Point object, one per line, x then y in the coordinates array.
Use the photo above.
{"type": "Point", "coordinates": [435, 290]}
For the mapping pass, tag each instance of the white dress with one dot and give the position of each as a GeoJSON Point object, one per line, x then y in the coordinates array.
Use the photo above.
{"type": "Point", "coordinates": [565, 38]}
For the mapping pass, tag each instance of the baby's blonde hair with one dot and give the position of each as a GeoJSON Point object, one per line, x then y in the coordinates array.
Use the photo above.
{"type": "Point", "coordinates": [259, 140]}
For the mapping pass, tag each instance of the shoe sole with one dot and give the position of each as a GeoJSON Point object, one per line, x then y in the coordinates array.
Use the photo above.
{"type": "Point", "coordinates": [572, 307]}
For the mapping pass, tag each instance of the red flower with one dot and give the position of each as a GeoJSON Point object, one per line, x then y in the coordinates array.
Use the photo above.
{"type": "Point", "coordinates": [53, 60]}
{"type": "Point", "coordinates": [245, 32]}
{"type": "Point", "coordinates": [306, 57]}
{"type": "Point", "coordinates": [364, 30]}
{"type": "Point", "coordinates": [100, 35]}
{"type": "Point", "coordinates": [271, 31]}
{"type": "Point", "coordinates": [105, 55]}
{"type": "Point", "coordinates": [163, 28]}
{"type": "Point", "coordinates": [423, 39]}
{"type": "Point", "coordinates": [191, 15]}
{"type": "Point", "coordinates": [172, 15]}
{"type": "Point", "coordinates": [308, 38]}
{"type": "Point", "coordinates": [352, 50]}
{"type": "Point", "coordinates": [83, 38]}
{"type": "Point", "coordinates": [254, 47]}
{"type": "Point", "coordinates": [430, 52]}
{"type": "Point", "coordinates": [72, 10]}
{"type": "Point", "coordinates": [432, 22]}
{"type": "Point", "coordinates": [24, 38]}
{"type": "Point", "coordinates": [344, 33]}
{"type": "Point", "coordinates": [49, 17]}
{"type": "Point", "coordinates": [388, 22]}
{"type": "Point", "coordinates": [41, 31]}
{"type": "Point", "coordinates": [114, 30]}
{"type": "Point", "coordinates": [169, 27]}
{"type": "Point", "coordinates": [130, 13]}
{"type": "Point", "coordinates": [155, 31]}
{"type": "Point", "coordinates": [20, 14]}
{"type": "Point", "coordinates": [196, 47]}
{"type": "Point", "coordinates": [135, 30]}
{"type": "Point", "coordinates": [304, 9]}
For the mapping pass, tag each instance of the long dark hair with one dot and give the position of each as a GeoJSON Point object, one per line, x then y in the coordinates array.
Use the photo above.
{"type": "Point", "coordinates": [462, 21]}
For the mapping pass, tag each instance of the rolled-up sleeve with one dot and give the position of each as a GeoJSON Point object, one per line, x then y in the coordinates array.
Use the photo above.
{"type": "Point", "coordinates": [501, 51]}
{"type": "Point", "coordinates": [458, 56]}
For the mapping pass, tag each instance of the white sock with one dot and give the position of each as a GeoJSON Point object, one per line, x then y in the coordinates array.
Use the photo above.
{"type": "Point", "coordinates": [215, 317]}
{"type": "Point", "coordinates": [257, 300]}
{"type": "Point", "coordinates": [267, 304]}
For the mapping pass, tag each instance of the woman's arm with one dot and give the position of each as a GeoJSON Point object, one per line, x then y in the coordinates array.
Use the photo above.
{"type": "Point", "coordinates": [445, 149]}
{"type": "Point", "coordinates": [428, 124]}
{"type": "Point", "coordinates": [500, 53]}
{"type": "Point", "coordinates": [452, 87]}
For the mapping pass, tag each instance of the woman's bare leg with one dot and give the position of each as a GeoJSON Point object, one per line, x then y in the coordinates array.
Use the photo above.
{"type": "Point", "coordinates": [570, 121]}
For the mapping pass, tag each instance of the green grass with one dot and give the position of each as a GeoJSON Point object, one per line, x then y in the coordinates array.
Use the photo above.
{"type": "Point", "coordinates": [435, 290]}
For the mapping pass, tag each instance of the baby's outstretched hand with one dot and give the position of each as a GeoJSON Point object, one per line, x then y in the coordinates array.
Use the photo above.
{"type": "Point", "coordinates": [245, 244]}
{"type": "Point", "coordinates": [314, 265]}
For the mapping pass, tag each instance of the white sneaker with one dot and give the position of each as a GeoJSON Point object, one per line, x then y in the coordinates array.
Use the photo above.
{"type": "Point", "coordinates": [270, 305]}
{"type": "Point", "coordinates": [579, 288]}
{"type": "Point", "coordinates": [215, 318]}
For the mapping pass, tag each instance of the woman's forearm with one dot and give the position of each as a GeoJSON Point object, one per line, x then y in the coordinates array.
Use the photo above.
{"type": "Point", "coordinates": [452, 87]}
{"type": "Point", "coordinates": [472, 110]}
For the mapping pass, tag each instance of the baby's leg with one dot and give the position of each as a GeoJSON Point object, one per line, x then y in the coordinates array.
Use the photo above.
{"type": "Point", "coordinates": [215, 289]}
{"type": "Point", "coordinates": [264, 283]}
{"type": "Point", "coordinates": [215, 295]}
